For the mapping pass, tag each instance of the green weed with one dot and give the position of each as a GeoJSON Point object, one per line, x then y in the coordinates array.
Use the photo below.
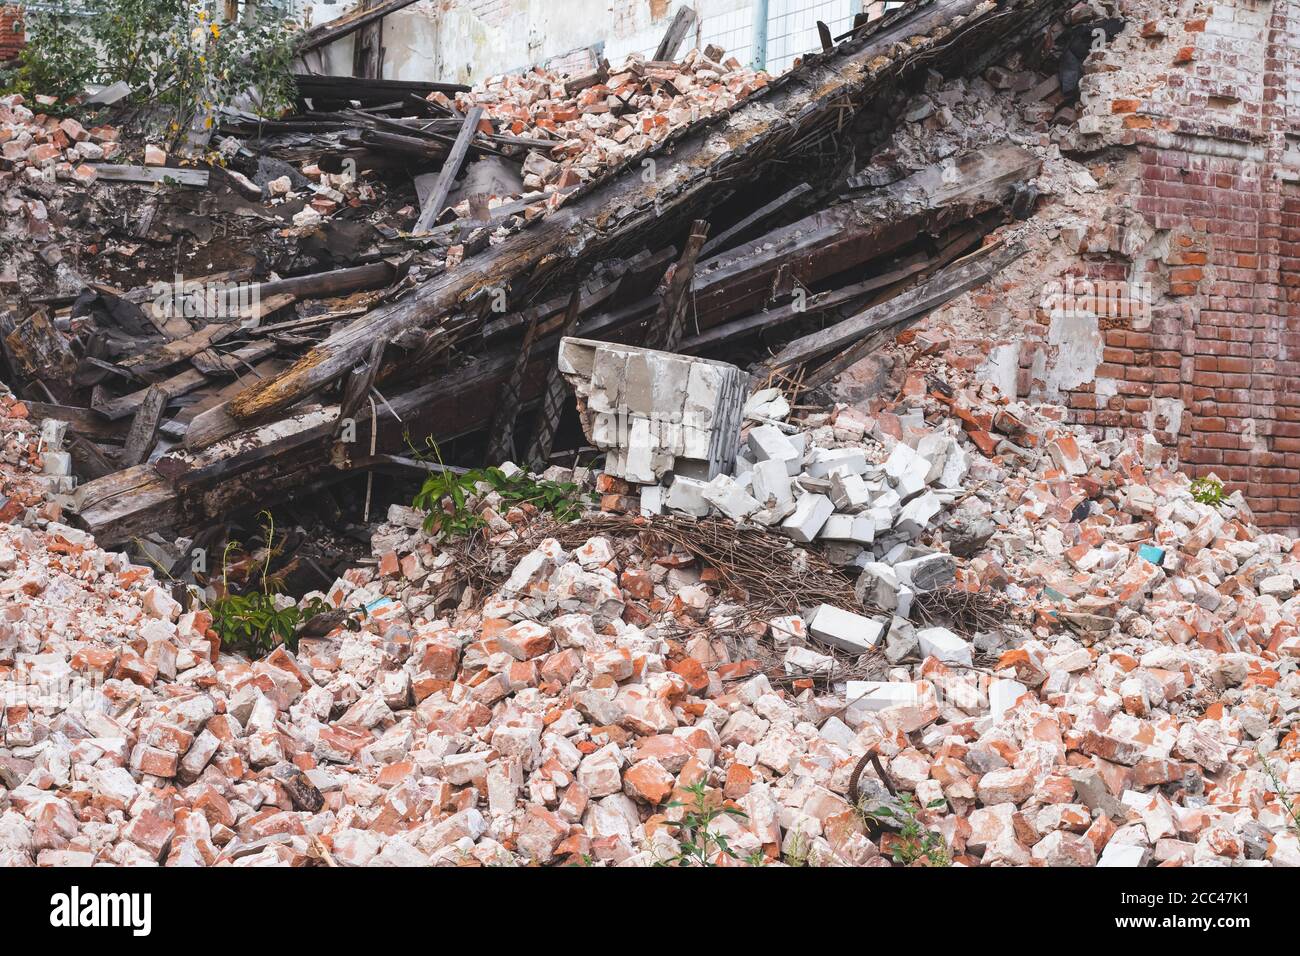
{"type": "Point", "coordinates": [1208, 491]}
{"type": "Point", "coordinates": [255, 623]}
{"type": "Point", "coordinates": [449, 499]}
{"type": "Point", "coordinates": [915, 842]}
{"type": "Point", "coordinates": [699, 843]}
{"type": "Point", "coordinates": [1283, 795]}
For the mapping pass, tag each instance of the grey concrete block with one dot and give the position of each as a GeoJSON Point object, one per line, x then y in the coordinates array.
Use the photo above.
{"type": "Point", "coordinates": [810, 513]}
{"type": "Point", "coordinates": [942, 644]}
{"type": "Point", "coordinates": [729, 498]}
{"type": "Point", "coordinates": [687, 495]}
{"type": "Point", "coordinates": [850, 632]}
{"type": "Point", "coordinates": [771, 483]}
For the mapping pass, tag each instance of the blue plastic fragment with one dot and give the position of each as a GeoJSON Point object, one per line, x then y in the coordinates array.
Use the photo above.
{"type": "Point", "coordinates": [1151, 553]}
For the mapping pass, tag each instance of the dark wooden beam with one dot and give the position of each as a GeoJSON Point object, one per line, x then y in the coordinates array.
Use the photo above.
{"type": "Point", "coordinates": [144, 428]}
{"type": "Point", "coordinates": [675, 34]}
{"type": "Point", "coordinates": [554, 394]}
{"type": "Point", "coordinates": [347, 24]}
{"type": "Point", "coordinates": [961, 276]}
{"type": "Point", "coordinates": [450, 170]}
{"type": "Point", "coordinates": [719, 242]}
{"type": "Point", "coordinates": [501, 440]}
{"type": "Point", "coordinates": [667, 329]}
{"type": "Point", "coordinates": [824, 35]}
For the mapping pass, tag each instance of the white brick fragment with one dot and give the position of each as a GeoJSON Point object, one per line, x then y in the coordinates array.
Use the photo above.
{"type": "Point", "coordinates": [942, 644]}
{"type": "Point", "coordinates": [730, 498]}
{"type": "Point", "coordinates": [850, 632]}
{"type": "Point", "coordinates": [687, 495]}
{"type": "Point", "coordinates": [810, 513]}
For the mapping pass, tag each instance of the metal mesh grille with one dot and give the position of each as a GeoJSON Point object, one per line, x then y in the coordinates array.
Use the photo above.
{"type": "Point", "coordinates": [733, 31]}
{"type": "Point", "coordinates": [792, 27]}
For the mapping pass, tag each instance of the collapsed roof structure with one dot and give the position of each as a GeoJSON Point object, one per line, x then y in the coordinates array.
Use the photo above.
{"type": "Point", "coordinates": [790, 212]}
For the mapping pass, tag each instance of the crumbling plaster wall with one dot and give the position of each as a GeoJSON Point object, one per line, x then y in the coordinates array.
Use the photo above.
{"type": "Point", "coordinates": [1177, 185]}
{"type": "Point", "coordinates": [466, 40]}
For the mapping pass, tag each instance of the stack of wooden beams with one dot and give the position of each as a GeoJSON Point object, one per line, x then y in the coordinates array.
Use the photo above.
{"type": "Point", "coordinates": [822, 266]}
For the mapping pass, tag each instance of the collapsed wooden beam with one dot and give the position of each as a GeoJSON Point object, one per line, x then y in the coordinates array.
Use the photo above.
{"type": "Point", "coordinates": [719, 242]}
{"type": "Point", "coordinates": [347, 24]}
{"type": "Point", "coordinates": [625, 205]}
{"type": "Point", "coordinates": [450, 170]}
{"type": "Point", "coordinates": [554, 394]}
{"type": "Point", "coordinates": [275, 459]}
{"type": "Point", "coordinates": [623, 214]}
{"type": "Point", "coordinates": [179, 384]}
{"type": "Point", "coordinates": [143, 435]}
{"type": "Point", "coordinates": [675, 34]}
{"type": "Point", "coordinates": [670, 320]}
{"type": "Point", "coordinates": [961, 276]}
{"type": "Point", "coordinates": [501, 442]}
{"type": "Point", "coordinates": [795, 309]}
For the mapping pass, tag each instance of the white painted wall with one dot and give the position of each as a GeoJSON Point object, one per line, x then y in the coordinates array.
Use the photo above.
{"type": "Point", "coordinates": [466, 40]}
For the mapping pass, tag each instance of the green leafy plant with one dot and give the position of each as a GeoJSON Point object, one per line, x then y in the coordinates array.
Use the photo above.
{"type": "Point", "coordinates": [1208, 491]}
{"type": "Point", "coordinates": [446, 497]}
{"type": "Point", "coordinates": [699, 844]}
{"type": "Point", "coordinates": [915, 842]}
{"type": "Point", "coordinates": [799, 851]}
{"type": "Point", "coordinates": [58, 60]}
{"type": "Point", "coordinates": [1283, 794]}
{"type": "Point", "coordinates": [172, 53]}
{"type": "Point", "coordinates": [254, 623]}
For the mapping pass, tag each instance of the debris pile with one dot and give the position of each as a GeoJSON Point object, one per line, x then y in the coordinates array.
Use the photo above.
{"type": "Point", "coordinates": [590, 687]}
{"type": "Point", "coordinates": [602, 118]}
{"type": "Point", "coordinates": [924, 624]}
{"type": "Point", "coordinates": [39, 148]}
{"type": "Point", "coordinates": [241, 371]}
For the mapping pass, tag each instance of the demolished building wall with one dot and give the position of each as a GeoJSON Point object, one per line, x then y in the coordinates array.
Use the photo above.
{"type": "Point", "coordinates": [465, 40]}
{"type": "Point", "coordinates": [13, 36]}
{"type": "Point", "coordinates": [1162, 303]}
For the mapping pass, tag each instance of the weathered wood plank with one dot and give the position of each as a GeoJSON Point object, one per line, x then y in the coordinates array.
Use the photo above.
{"type": "Point", "coordinates": [81, 421]}
{"type": "Point", "coordinates": [450, 170]}
{"type": "Point", "coordinates": [758, 215]}
{"type": "Point", "coordinates": [144, 428]}
{"type": "Point", "coordinates": [666, 331]}
{"type": "Point", "coordinates": [340, 27]}
{"type": "Point", "coordinates": [112, 172]}
{"type": "Point", "coordinates": [178, 350]}
{"type": "Point", "coordinates": [554, 394]}
{"type": "Point", "coordinates": [675, 34]}
{"type": "Point", "coordinates": [947, 284]}
{"type": "Point", "coordinates": [179, 384]}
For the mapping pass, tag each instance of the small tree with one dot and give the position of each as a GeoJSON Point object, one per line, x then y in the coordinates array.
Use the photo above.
{"type": "Point", "coordinates": [174, 53]}
{"type": "Point", "coordinates": [58, 60]}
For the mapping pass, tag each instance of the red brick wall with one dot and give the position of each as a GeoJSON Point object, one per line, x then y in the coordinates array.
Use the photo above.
{"type": "Point", "coordinates": [1219, 154]}
{"type": "Point", "coordinates": [12, 37]}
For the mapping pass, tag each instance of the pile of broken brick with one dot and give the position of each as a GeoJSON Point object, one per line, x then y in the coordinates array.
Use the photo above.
{"type": "Point", "coordinates": [40, 148]}
{"type": "Point", "coordinates": [38, 151]}
{"type": "Point", "coordinates": [1138, 710]}
{"type": "Point", "coordinates": [601, 119]}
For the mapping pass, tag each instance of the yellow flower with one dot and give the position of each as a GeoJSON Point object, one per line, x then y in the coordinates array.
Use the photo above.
{"type": "Point", "coordinates": [216, 30]}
